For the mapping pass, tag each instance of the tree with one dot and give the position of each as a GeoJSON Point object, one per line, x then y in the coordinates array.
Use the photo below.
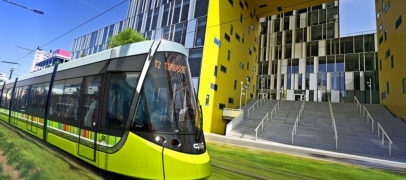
{"type": "Point", "coordinates": [127, 36]}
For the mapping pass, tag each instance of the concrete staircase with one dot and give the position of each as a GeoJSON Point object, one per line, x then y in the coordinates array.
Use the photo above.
{"type": "Point", "coordinates": [315, 130]}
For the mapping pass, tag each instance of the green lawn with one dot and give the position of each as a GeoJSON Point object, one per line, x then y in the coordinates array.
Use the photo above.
{"type": "Point", "coordinates": [233, 162]}
{"type": "Point", "coordinates": [36, 162]}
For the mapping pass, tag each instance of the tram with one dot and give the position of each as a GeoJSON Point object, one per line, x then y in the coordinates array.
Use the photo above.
{"type": "Point", "coordinates": [130, 110]}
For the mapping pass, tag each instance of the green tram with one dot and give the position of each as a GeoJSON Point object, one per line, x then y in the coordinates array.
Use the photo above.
{"type": "Point", "coordinates": [130, 110]}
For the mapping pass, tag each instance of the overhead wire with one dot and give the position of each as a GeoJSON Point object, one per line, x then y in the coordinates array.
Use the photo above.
{"type": "Point", "coordinates": [266, 12]}
{"type": "Point", "coordinates": [69, 31]}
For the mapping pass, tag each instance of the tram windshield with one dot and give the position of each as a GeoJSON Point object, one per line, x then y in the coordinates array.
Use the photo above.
{"type": "Point", "coordinates": [167, 100]}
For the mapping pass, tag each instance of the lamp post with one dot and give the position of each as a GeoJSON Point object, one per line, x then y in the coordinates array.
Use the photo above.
{"type": "Point", "coordinates": [242, 93]}
{"type": "Point", "coordinates": [11, 69]}
{"type": "Point", "coordinates": [370, 91]}
{"type": "Point", "coordinates": [33, 10]}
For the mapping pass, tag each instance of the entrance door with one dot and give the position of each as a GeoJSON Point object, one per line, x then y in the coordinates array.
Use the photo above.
{"type": "Point", "coordinates": [89, 113]}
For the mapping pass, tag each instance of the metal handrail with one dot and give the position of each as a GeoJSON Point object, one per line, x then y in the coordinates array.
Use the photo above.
{"type": "Point", "coordinates": [253, 106]}
{"type": "Point", "coordinates": [368, 117]}
{"type": "Point", "coordinates": [358, 104]}
{"type": "Point", "coordinates": [273, 112]}
{"type": "Point", "coordinates": [262, 124]}
{"type": "Point", "coordinates": [298, 119]}
{"type": "Point", "coordinates": [333, 120]}
{"type": "Point", "coordinates": [383, 139]}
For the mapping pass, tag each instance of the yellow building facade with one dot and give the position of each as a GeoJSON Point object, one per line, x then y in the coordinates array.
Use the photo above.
{"type": "Point", "coordinates": [230, 54]}
{"type": "Point", "coordinates": [391, 33]}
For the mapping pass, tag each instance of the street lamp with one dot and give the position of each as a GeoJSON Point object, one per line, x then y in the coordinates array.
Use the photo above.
{"type": "Point", "coordinates": [11, 69]}
{"type": "Point", "coordinates": [242, 93]}
{"type": "Point", "coordinates": [33, 10]}
{"type": "Point", "coordinates": [370, 91]}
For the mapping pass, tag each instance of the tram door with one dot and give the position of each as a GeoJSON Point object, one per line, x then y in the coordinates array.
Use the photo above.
{"type": "Point", "coordinates": [88, 116]}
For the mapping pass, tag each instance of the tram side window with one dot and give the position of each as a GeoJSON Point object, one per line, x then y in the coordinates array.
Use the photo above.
{"type": "Point", "coordinates": [7, 104]}
{"type": "Point", "coordinates": [16, 99]}
{"type": "Point", "coordinates": [121, 92]}
{"type": "Point", "coordinates": [70, 98]}
{"type": "Point", "coordinates": [37, 99]}
{"type": "Point", "coordinates": [32, 102]}
{"type": "Point", "coordinates": [56, 108]}
{"type": "Point", "coordinates": [90, 100]}
{"type": "Point", "coordinates": [25, 99]}
{"type": "Point", "coordinates": [4, 98]}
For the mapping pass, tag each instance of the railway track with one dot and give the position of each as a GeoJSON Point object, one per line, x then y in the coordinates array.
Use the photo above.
{"type": "Point", "coordinates": [64, 155]}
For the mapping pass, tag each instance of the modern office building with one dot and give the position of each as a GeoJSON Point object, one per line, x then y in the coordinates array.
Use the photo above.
{"type": "Point", "coordinates": [302, 54]}
{"type": "Point", "coordinates": [58, 55]}
{"type": "Point", "coordinates": [39, 56]}
{"type": "Point", "coordinates": [391, 33]}
{"type": "Point", "coordinates": [222, 38]}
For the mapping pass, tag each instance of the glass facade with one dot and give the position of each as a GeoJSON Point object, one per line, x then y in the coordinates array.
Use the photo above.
{"type": "Point", "coordinates": [303, 54]}
{"type": "Point", "coordinates": [182, 21]}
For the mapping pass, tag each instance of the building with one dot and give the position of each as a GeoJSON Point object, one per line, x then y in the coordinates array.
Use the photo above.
{"type": "Point", "coordinates": [222, 38]}
{"type": "Point", "coordinates": [58, 55]}
{"type": "Point", "coordinates": [3, 77]}
{"type": "Point", "coordinates": [301, 52]}
{"type": "Point", "coordinates": [391, 33]}
{"type": "Point", "coordinates": [39, 56]}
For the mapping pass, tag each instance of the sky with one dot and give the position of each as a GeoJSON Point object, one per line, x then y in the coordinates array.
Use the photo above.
{"type": "Point", "coordinates": [24, 28]}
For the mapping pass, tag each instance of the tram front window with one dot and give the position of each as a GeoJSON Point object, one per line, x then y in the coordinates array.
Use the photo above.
{"type": "Point", "coordinates": [167, 101]}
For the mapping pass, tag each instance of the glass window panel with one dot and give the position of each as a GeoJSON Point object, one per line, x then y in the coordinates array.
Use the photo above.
{"type": "Point", "coordinates": [299, 35]}
{"type": "Point", "coordinates": [195, 61]}
{"type": "Point", "coordinates": [286, 23]}
{"type": "Point", "coordinates": [121, 92]}
{"type": "Point", "coordinates": [295, 66]}
{"type": "Point", "coordinates": [165, 16]}
{"type": "Point", "coordinates": [176, 12]}
{"type": "Point", "coordinates": [178, 33]}
{"type": "Point", "coordinates": [288, 51]}
{"type": "Point", "coordinates": [277, 25]}
{"type": "Point", "coordinates": [361, 62]}
{"type": "Point", "coordinates": [369, 61]}
{"type": "Point", "coordinates": [201, 31]}
{"type": "Point", "coordinates": [185, 10]}
{"type": "Point", "coordinates": [322, 64]}
{"type": "Point", "coordinates": [330, 30]}
{"type": "Point", "coordinates": [314, 46]}
{"type": "Point", "coordinates": [317, 32]}
{"type": "Point", "coordinates": [148, 22]}
{"type": "Point", "coordinates": [71, 96]}
{"type": "Point", "coordinates": [155, 19]}
{"type": "Point", "coordinates": [139, 22]}
{"type": "Point", "coordinates": [279, 38]}
{"type": "Point", "coordinates": [57, 101]}
{"type": "Point", "coordinates": [359, 44]}
{"type": "Point", "coordinates": [340, 65]}
{"type": "Point", "coordinates": [332, 14]}
{"type": "Point", "coordinates": [201, 8]}
{"type": "Point", "coordinates": [330, 63]}
{"type": "Point", "coordinates": [309, 65]}
{"type": "Point", "coordinates": [288, 37]}
{"type": "Point", "coordinates": [322, 16]}
{"type": "Point", "coordinates": [90, 100]}
{"type": "Point", "coordinates": [351, 62]}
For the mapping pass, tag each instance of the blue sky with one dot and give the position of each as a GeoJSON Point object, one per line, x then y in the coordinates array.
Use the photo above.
{"type": "Point", "coordinates": [24, 28]}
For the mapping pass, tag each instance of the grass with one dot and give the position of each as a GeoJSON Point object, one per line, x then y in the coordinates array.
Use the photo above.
{"type": "Point", "coordinates": [36, 162]}
{"type": "Point", "coordinates": [3, 175]}
{"type": "Point", "coordinates": [234, 162]}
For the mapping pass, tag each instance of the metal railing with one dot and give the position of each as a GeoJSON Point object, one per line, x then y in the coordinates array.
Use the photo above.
{"type": "Point", "coordinates": [252, 107]}
{"type": "Point", "coordinates": [273, 112]}
{"type": "Point", "coordinates": [358, 104]}
{"type": "Point", "coordinates": [333, 120]}
{"type": "Point", "coordinates": [262, 125]}
{"type": "Point", "coordinates": [368, 117]}
{"type": "Point", "coordinates": [298, 119]}
{"type": "Point", "coordinates": [383, 138]}
{"type": "Point", "coordinates": [238, 115]}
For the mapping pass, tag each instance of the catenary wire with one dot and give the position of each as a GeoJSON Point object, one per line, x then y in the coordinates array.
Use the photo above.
{"type": "Point", "coordinates": [215, 25]}
{"type": "Point", "coordinates": [70, 31]}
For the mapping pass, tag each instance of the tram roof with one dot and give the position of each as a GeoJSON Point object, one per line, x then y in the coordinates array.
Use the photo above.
{"type": "Point", "coordinates": [120, 51]}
